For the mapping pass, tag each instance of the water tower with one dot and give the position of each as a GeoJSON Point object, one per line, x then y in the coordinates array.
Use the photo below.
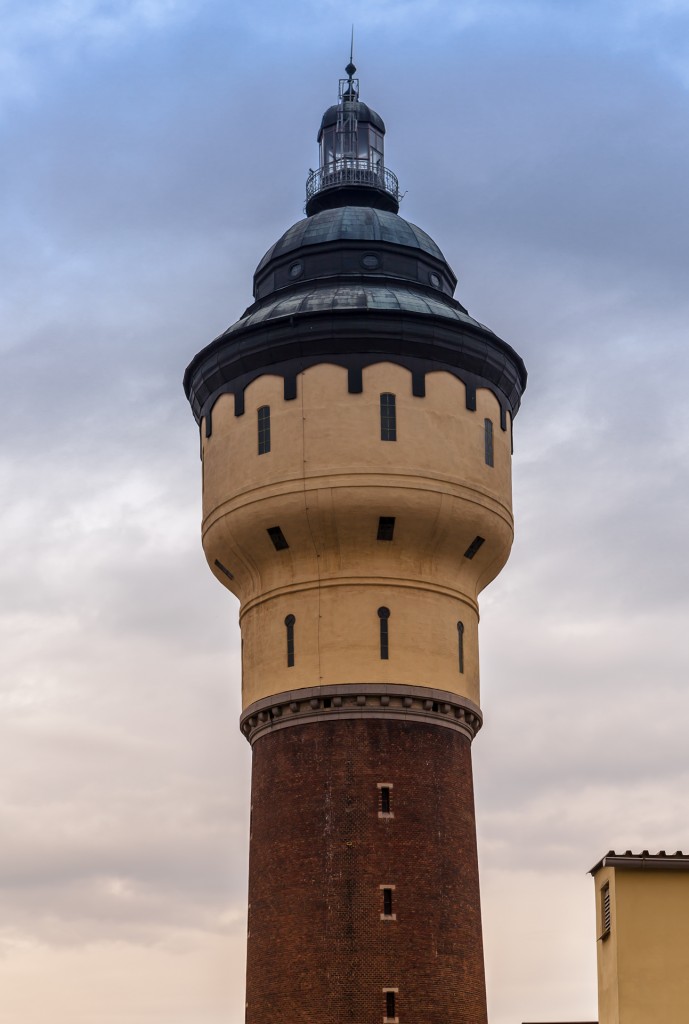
{"type": "Point", "coordinates": [356, 438]}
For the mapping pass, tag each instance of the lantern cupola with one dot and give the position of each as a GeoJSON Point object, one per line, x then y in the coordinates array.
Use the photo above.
{"type": "Point", "coordinates": [352, 169]}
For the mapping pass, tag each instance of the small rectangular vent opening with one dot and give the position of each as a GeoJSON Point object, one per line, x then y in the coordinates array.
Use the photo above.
{"type": "Point", "coordinates": [224, 569]}
{"type": "Point", "coordinates": [278, 538]}
{"type": "Point", "coordinates": [474, 546]}
{"type": "Point", "coordinates": [606, 912]}
{"type": "Point", "coordinates": [386, 527]}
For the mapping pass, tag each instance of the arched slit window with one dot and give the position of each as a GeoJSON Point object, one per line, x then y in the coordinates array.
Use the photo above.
{"type": "Point", "coordinates": [289, 626]}
{"type": "Point", "coordinates": [488, 440]}
{"type": "Point", "coordinates": [388, 417]}
{"type": "Point", "coordinates": [384, 615]}
{"type": "Point", "coordinates": [263, 429]}
{"type": "Point", "coordinates": [460, 645]}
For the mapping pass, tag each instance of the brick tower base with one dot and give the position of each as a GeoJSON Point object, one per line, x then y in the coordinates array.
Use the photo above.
{"type": "Point", "coordinates": [320, 948]}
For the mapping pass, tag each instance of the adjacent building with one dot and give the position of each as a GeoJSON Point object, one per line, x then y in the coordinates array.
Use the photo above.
{"type": "Point", "coordinates": [642, 930]}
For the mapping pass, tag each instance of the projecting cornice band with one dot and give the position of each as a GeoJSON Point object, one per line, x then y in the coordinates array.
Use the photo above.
{"type": "Point", "coordinates": [355, 339]}
{"type": "Point", "coordinates": [372, 701]}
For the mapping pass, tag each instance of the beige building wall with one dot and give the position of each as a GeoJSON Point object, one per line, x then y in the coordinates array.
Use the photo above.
{"type": "Point", "coordinates": [608, 990]}
{"type": "Point", "coordinates": [643, 963]}
{"type": "Point", "coordinates": [325, 482]}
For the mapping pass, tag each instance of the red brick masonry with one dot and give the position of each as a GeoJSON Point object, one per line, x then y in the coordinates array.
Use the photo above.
{"type": "Point", "coordinates": [318, 950]}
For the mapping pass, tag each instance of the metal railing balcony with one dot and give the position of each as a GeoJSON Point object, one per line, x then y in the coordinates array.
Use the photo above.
{"type": "Point", "coordinates": [352, 172]}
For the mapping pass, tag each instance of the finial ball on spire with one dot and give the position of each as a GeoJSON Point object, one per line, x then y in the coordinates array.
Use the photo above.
{"type": "Point", "coordinates": [350, 69]}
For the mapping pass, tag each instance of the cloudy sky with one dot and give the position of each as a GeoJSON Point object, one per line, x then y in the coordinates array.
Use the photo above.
{"type": "Point", "coordinates": [152, 150]}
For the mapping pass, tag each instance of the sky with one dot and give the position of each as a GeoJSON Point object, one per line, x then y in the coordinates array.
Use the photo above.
{"type": "Point", "coordinates": [152, 151]}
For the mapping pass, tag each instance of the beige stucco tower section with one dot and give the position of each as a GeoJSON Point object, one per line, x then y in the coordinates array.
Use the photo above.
{"type": "Point", "coordinates": [642, 932]}
{"type": "Point", "coordinates": [326, 482]}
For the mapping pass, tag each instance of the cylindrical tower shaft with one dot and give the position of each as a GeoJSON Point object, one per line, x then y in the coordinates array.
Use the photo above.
{"type": "Point", "coordinates": [348, 901]}
{"type": "Point", "coordinates": [356, 432]}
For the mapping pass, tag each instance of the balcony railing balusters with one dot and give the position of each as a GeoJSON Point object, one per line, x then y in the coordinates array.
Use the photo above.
{"type": "Point", "coordinates": [352, 172]}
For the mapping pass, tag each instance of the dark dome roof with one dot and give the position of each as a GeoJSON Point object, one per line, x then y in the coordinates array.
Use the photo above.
{"type": "Point", "coordinates": [352, 223]}
{"type": "Point", "coordinates": [362, 111]}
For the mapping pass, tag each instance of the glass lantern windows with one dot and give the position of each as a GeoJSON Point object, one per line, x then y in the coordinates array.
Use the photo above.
{"type": "Point", "coordinates": [370, 146]}
{"type": "Point", "coordinates": [362, 142]}
{"type": "Point", "coordinates": [375, 148]}
{"type": "Point", "coordinates": [336, 146]}
{"type": "Point", "coordinates": [328, 149]}
{"type": "Point", "coordinates": [359, 144]}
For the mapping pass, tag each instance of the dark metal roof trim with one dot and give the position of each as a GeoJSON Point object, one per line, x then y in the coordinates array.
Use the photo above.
{"type": "Point", "coordinates": [362, 259]}
{"type": "Point", "coordinates": [380, 193]}
{"type": "Point", "coordinates": [643, 861]}
{"type": "Point", "coordinates": [354, 293]}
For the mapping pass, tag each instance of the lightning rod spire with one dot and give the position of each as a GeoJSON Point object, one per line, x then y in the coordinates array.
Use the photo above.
{"type": "Point", "coordinates": [351, 69]}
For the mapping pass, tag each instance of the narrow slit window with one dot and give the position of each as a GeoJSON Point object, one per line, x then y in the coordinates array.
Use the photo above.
{"type": "Point", "coordinates": [263, 429]}
{"type": "Point", "coordinates": [388, 417]}
{"type": "Point", "coordinates": [278, 538]}
{"type": "Point", "coordinates": [488, 440]}
{"type": "Point", "coordinates": [460, 645]}
{"type": "Point", "coordinates": [386, 527]}
{"type": "Point", "coordinates": [605, 911]}
{"type": "Point", "coordinates": [289, 627]}
{"type": "Point", "coordinates": [390, 1005]}
{"type": "Point", "coordinates": [387, 901]}
{"type": "Point", "coordinates": [224, 569]}
{"type": "Point", "coordinates": [474, 546]}
{"type": "Point", "coordinates": [384, 800]}
{"type": "Point", "coordinates": [383, 616]}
